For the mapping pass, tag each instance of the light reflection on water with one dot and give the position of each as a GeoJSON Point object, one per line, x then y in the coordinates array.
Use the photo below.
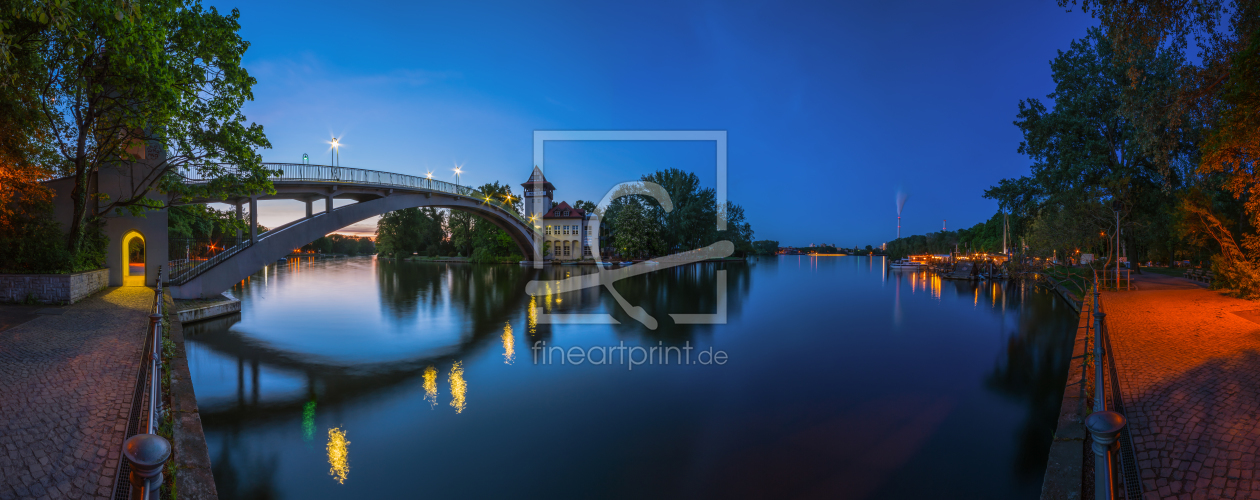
{"type": "Point", "coordinates": [338, 455]}
{"type": "Point", "coordinates": [509, 344]}
{"type": "Point", "coordinates": [459, 388]}
{"type": "Point", "coordinates": [430, 385]}
{"type": "Point", "coordinates": [825, 392]}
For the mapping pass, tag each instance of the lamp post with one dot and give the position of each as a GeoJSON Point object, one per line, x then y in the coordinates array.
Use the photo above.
{"type": "Point", "coordinates": [334, 156]}
{"type": "Point", "coordinates": [458, 170]}
{"type": "Point", "coordinates": [306, 160]}
{"type": "Point", "coordinates": [1115, 206]}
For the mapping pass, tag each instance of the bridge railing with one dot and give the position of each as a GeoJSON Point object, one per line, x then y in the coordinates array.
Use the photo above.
{"type": "Point", "coordinates": [301, 172]}
{"type": "Point", "coordinates": [200, 255]}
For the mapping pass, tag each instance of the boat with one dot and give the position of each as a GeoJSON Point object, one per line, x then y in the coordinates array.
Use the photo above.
{"type": "Point", "coordinates": [568, 263]}
{"type": "Point", "coordinates": [651, 263]}
{"type": "Point", "coordinates": [905, 263]}
{"type": "Point", "coordinates": [627, 263]}
{"type": "Point", "coordinates": [604, 264]}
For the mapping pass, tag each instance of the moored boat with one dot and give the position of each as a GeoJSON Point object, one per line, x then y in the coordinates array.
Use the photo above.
{"type": "Point", "coordinates": [905, 263]}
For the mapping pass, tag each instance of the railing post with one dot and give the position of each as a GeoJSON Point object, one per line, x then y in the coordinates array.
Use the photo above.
{"type": "Point", "coordinates": [1103, 427]}
{"type": "Point", "coordinates": [148, 454]}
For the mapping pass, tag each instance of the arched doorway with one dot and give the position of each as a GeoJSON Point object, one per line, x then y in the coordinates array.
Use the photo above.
{"type": "Point", "coordinates": [134, 258]}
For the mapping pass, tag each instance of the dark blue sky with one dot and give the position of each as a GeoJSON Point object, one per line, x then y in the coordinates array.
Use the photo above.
{"type": "Point", "coordinates": [829, 108]}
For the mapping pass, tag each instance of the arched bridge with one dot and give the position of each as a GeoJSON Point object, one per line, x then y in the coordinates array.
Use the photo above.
{"type": "Point", "coordinates": [376, 193]}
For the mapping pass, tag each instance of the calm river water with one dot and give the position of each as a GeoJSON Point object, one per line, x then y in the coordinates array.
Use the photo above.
{"type": "Point", "coordinates": [364, 378]}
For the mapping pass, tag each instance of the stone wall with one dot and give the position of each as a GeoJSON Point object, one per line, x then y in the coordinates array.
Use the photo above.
{"type": "Point", "coordinates": [52, 288]}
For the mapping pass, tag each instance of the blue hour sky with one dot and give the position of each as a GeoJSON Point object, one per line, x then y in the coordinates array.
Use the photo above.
{"type": "Point", "coordinates": [830, 107]}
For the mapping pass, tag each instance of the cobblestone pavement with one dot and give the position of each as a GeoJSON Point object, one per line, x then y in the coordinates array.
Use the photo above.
{"type": "Point", "coordinates": [1190, 376]}
{"type": "Point", "coordinates": [66, 384]}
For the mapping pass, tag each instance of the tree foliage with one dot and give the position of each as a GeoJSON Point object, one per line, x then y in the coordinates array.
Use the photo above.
{"type": "Point", "coordinates": [412, 231]}
{"type": "Point", "coordinates": [114, 81]}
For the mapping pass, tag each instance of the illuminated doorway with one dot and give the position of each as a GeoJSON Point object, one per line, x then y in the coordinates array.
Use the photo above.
{"type": "Point", "coordinates": [134, 257]}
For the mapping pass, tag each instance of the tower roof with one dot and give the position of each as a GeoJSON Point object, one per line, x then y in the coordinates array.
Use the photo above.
{"type": "Point", "coordinates": [537, 180]}
{"type": "Point", "coordinates": [564, 211]}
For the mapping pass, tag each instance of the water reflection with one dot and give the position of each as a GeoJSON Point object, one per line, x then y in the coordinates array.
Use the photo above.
{"type": "Point", "coordinates": [459, 388]}
{"type": "Point", "coordinates": [338, 456]}
{"type": "Point", "coordinates": [362, 338]}
{"type": "Point", "coordinates": [308, 421]}
{"type": "Point", "coordinates": [509, 344]}
{"type": "Point", "coordinates": [430, 385]}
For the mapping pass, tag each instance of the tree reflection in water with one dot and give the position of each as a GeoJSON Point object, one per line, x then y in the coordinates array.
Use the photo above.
{"type": "Point", "coordinates": [817, 354]}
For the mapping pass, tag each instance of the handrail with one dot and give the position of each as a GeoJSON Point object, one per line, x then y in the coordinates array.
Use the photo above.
{"type": "Point", "coordinates": [187, 273]}
{"type": "Point", "coordinates": [156, 357]}
{"type": "Point", "coordinates": [301, 172]}
{"type": "Point", "coordinates": [155, 369]}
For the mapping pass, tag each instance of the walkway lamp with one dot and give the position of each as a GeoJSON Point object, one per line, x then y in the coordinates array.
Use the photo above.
{"type": "Point", "coordinates": [334, 156]}
{"type": "Point", "coordinates": [1115, 207]}
{"type": "Point", "coordinates": [306, 160]}
{"type": "Point", "coordinates": [458, 170]}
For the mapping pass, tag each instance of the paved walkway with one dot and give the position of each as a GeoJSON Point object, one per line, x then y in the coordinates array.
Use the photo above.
{"type": "Point", "coordinates": [1190, 373]}
{"type": "Point", "coordinates": [66, 384]}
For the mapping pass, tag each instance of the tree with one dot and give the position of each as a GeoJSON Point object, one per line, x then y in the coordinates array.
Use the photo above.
{"type": "Point", "coordinates": [738, 231]}
{"type": "Point", "coordinates": [112, 80]}
{"type": "Point", "coordinates": [692, 222]}
{"type": "Point", "coordinates": [200, 221]}
{"type": "Point", "coordinates": [459, 224]}
{"type": "Point", "coordinates": [766, 247]}
{"type": "Point", "coordinates": [410, 231]}
{"type": "Point", "coordinates": [1086, 157]}
{"type": "Point", "coordinates": [638, 233]}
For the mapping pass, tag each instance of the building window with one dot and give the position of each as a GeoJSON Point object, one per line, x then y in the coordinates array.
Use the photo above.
{"type": "Point", "coordinates": [566, 249]}
{"type": "Point", "coordinates": [586, 250]}
{"type": "Point", "coordinates": [548, 230]}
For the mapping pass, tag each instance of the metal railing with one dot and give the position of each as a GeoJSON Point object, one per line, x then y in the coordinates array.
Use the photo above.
{"type": "Point", "coordinates": [1107, 428]}
{"type": "Point", "coordinates": [184, 270]}
{"type": "Point", "coordinates": [301, 172]}
{"type": "Point", "coordinates": [146, 452]}
{"type": "Point", "coordinates": [155, 356]}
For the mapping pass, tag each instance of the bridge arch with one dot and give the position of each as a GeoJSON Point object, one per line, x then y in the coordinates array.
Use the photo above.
{"type": "Point", "coordinates": [377, 193]}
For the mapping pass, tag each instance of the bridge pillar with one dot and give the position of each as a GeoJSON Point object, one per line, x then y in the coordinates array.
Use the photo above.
{"type": "Point", "coordinates": [328, 203]}
{"type": "Point", "coordinates": [309, 204]}
{"type": "Point", "coordinates": [239, 216]}
{"type": "Point", "coordinates": [253, 218]}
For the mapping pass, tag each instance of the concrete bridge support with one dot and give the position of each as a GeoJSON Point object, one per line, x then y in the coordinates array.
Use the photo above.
{"type": "Point", "coordinates": [253, 218]}
{"type": "Point", "coordinates": [240, 215]}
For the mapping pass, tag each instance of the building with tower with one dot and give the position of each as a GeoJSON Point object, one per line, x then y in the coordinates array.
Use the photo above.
{"type": "Point", "coordinates": [567, 231]}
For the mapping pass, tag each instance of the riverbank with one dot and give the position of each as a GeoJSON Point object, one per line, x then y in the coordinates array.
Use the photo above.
{"type": "Point", "coordinates": [193, 476]}
{"type": "Point", "coordinates": [1067, 453]}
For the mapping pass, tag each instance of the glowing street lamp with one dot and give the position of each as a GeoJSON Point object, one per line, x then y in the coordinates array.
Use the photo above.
{"type": "Point", "coordinates": [458, 170]}
{"type": "Point", "coordinates": [335, 154]}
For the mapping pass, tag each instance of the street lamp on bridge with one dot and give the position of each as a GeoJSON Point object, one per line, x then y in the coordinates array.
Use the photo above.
{"type": "Point", "coordinates": [334, 156]}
